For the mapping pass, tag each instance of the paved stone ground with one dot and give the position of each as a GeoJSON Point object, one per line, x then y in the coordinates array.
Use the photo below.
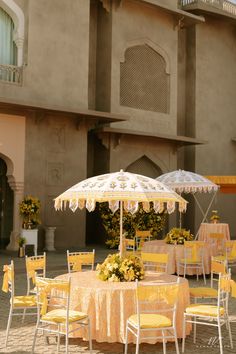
{"type": "Point", "coordinates": [21, 334]}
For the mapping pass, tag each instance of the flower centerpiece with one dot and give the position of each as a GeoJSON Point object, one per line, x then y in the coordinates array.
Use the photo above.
{"type": "Point", "coordinates": [215, 217]}
{"type": "Point", "coordinates": [118, 269]}
{"type": "Point", "coordinates": [29, 210]}
{"type": "Point", "coordinates": [178, 236]}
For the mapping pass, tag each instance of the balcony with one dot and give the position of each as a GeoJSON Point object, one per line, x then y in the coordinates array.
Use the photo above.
{"type": "Point", "coordinates": [11, 74]}
{"type": "Point", "coordinates": [216, 6]}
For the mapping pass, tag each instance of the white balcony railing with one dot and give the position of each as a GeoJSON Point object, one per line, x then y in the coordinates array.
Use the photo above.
{"type": "Point", "coordinates": [11, 74]}
{"type": "Point", "coordinates": [225, 5]}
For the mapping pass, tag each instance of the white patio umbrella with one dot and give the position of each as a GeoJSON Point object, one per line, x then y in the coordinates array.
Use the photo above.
{"type": "Point", "coordinates": [120, 190]}
{"type": "Point", "coordinates": [188, 182]}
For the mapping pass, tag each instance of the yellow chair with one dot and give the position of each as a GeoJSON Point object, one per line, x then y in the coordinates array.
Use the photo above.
{"type": "Point", "coordinates": [141, 237]}
{"type": "Point", "coordinates": [54, 316]}
{"type": "Point", "coordinates": [155, 261]}
{"type": "Point", "coordinates": [17, 303]}
{"type": "Point", "coordinates": [207, 293]}
{"type": "Point", "coordinates": [229, 253]}
{"type": "Point", "coordinates": [35, 266]}
{"type": "Point", "coordinates": [129, 244]}
{"type": "Point", "coordinates": [211, 315]}
{"type": "Point", "coordinates": [154, 301]}
{"type": "Point", "coordinates": [76, 260]}
{"type": "Point", "coordinates": [193, 258]}
{"type": "Point", "coordinates": [217, 241]}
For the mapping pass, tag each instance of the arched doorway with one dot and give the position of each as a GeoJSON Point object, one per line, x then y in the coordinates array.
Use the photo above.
{"type": "Point", "coordinates": [6, 206]}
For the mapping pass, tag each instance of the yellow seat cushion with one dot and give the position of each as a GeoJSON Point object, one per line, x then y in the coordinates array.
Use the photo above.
{"type": "Point", "coordinates": [150, 321]}
{"type": "Point", "coordinates": [59, 316]}
{"type": "Point", "coordinates": [204, 310]}
{"type": "Point", "coordinates": [24, 301]}
{"type": "Point", "coordinates": [203, 292]}
{"type": "Point", "coordinates": [190, 261]}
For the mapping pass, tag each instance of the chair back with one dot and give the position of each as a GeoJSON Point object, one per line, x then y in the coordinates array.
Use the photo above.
{"type": "Point", "coordinates": [141, 237]}
{"type": "Point", "coordinates": [35, 266]}
{"type": "Point", "coordinates": [76, 260]}
{"type": "Point", "coordinates": [157, 298]}
{"type": "Point", "coordinates": [217, 241]}
{"type": "Point", "coordinates": [217, 267]}
{"type": "Point", "coordinates": [224, 289]}
{"type": "Point", "coordinates": [53, 293]}
{"type": "Point", "coordinates": [155, 261]}
{"type": "Point", "coordinates": [194, 251]}
{"type": "Point", "coordinates": [129, 244]}
{"type": "Point", "coordinates": [230, 249]}
{"type": "Point", "coordinates": [8, 284]}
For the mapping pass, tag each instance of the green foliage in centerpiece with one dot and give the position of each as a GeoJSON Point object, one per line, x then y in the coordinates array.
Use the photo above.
{"type": "Point", "coordinates": [139, 221]}
{"type": "Point", "coordinates": [178, 236]}
{"type": "Point", "coordinates": [117, 269]}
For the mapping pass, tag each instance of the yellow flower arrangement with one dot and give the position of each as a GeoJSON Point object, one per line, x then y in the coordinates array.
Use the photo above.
{"type": "Point", "coordinates": [178, 236]}
{"type": "Point", "coordinates": [29, 210]}
{"type": "Point", "coordinates": [215, 217]}
{"type": "Point", "coordinates": [117, 269]}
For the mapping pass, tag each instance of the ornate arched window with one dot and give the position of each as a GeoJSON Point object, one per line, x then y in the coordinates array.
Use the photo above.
{"type": "Point", "coordinates": [7, 45]}
{"type": "Point", "coordinates": [144, 80]}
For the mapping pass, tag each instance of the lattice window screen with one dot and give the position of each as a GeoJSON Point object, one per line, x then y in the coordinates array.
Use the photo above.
{"type": "Point", "coordinates": [144, 83]}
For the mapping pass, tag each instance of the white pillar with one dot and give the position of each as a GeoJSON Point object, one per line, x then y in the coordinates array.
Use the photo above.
{"type": "Point", "coordinates": [18, 189]}
{"type": "Point", "coordinates": [20, 45]}
{"type": "Point", "coordinates": [49, 238]}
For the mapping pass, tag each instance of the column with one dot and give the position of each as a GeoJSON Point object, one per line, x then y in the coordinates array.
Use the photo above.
{"type": "Point", "coordinates": [49, 238]}
{"type": "Point", "coordinates": [18, 189]}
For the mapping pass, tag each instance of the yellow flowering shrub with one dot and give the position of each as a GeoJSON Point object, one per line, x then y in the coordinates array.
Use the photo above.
{"type": "Point", "coordinates": [29, 210]}
{"type": "Point", "coordinates": [117, 269]}
{"type": "Point", "coordinates": [139, 221]}
{"type": "Point", "coordinates": [178, 236]}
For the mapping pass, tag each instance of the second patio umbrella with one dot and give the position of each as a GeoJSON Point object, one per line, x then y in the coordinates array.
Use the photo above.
{"type": "Point", "coordinates": [121, 190]}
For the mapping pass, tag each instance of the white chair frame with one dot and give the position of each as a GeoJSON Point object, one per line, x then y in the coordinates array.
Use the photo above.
{"type": "Point", "coordinates": [78, 254]}
{"type": "Point", "coordinates": [216, 321]}
{"type": "Point", "coordinates": [152, 262]}
{"type": "Point", "coordinates": [39, 272]}
{"type": "Point", "coordinates": [57, 299]}
{"type": "Point", "coordinates": [198, 265]}
{"type": "Point", "coordinates": [16, 310]}
{"type": "Point", "coordinates": [168, 332]}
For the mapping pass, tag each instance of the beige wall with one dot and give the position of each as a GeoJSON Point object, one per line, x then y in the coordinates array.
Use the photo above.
{"type": "Point", "coordinates": [216, 107]}
{"type": "Point", "coordinates": [12, 145]}
{"type": "Point", "coordinates": [56, 57]}
{"type": "Point", "coordinates": [137, 24]}
{"type": "Point", "coordinates": [56, 159]}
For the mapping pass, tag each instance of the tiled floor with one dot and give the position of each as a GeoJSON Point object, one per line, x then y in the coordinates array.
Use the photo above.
{"type": "Point", "coordinates": [21, 334]}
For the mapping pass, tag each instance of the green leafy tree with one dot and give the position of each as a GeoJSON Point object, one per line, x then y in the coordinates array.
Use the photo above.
{"type": "Point", "coordinates": [139, 221]}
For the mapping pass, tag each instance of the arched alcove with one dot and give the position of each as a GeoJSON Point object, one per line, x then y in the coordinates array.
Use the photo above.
{"type": "Point", "coordinates": [6, 205]}
{"type": "Point", "coordinates": [144, 166]}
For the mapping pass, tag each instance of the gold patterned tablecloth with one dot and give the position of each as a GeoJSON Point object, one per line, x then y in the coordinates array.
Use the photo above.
{"type": "Point", "coordinates": [208, 228]}
{"type": "Point", "coordinates": [110, 304]}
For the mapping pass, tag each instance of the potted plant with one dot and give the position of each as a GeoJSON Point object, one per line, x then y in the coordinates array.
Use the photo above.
{"type": "Point", "coordinates": [215, 217]}
{"type": "Point", "coordinates": [29, 210]}
{"type": "Point", "coordinates": [21, 243]}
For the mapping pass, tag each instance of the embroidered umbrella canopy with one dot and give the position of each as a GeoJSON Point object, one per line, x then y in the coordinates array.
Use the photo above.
{"type": "Point", "coordinates": [121, 190]}
{"type": "Point", "coordinates": [188, 182]}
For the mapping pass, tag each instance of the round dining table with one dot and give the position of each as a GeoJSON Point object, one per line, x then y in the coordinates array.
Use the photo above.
{"type": "Point", "coordinates": [109, 304]}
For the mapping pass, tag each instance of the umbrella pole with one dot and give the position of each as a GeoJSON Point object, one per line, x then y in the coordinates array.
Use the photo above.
{"type": "Point", "coordinates": [121, 230]}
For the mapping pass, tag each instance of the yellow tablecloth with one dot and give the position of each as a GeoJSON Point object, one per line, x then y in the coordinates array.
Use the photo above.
{"type": "Point", "coordinates": [175, 253]}
{"type": "Point", "coordinates": [110, 304]}
{"type": "Point", "coordinates": [208, 228]}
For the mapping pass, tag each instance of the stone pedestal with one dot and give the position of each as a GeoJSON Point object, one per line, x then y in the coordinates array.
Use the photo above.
{"type": "Point", "coordinates": [49, 238]}
{"type": "Point", "coordinates": [31, 237]}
